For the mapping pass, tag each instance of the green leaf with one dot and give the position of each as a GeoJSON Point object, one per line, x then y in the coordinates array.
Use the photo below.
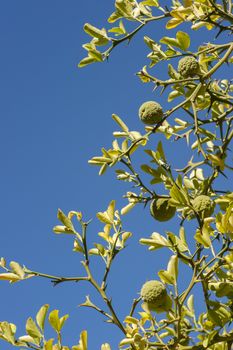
{"type": "Point", "coordinates": [96, 33]}
{"type": "Point", "coordinates": [161, 151]}
{"type": "Point", "coordinates": [78, 247]}
{"type": "Point", "coordinates": [85, 61]}
{"type": "Point", "coordinates": [114, 17]}
{"type": "Point", "coordinates": [174, 22]}
{"type": "Point", "coordinates": [172, 267]}
{"type": "Point", "coordinates": [131, 320]}
{"type": "Point", "coordinates": [118, 120]}
{"type": "Point", "coordinates": [125, 236]}
{"type": "Point", "coordinates": [54, 320]}
{"type": "Point", "coordinates": [203, 237]}
{"type": "Point", "coordinates": [100, 248]}
{"type": "Point", "coordinates": [173, 95]}
{"type": "Point", "coordinates": [62, 320]}
{"type": "Point", "coordinates": [93, 251]}
{"type": "Point", "coordinates": [41, 316]}
{"type": "Point", "coordinates": [111, 210]}
{"type": "Point", "coordinates": [172, 72]}
{"type": "Point", "coordinates": [28, 339]}
{"type": "Point", "coordinates": [183, 240]}
{"type": "Point", "coordinates": [107, 217]}
{"type": "Point", "coordinates": [65, 220]}
{"type": "Point", "coordinates": [48, 345]}
{"type": "Point", "coordinates": [190, 304]}
{"type": "Point", "coordinates": [8, 276]}
{"type": "Point", "coordinates": [176, 242]}
{"type": "Point", "coordinates": [220, 315]}
{"type": "Point", "coordinates": [7, 332]}
{"type": "Point", "coordinates": [151, 3]}
{"type": "Point", "coordinates": [2, 262]}
{"type": "Point", "coordinates": [82, 342]}
{"type": "Point", "coordinates": [183, 39]}
{"type": "Point", "coordinates": [177, 196]}
{"type": "Point", "coordinates": [97, 55]}
{"type": "Point", "coordinates": [156, 241]}
{"type": "Point", "coordinates": [59, 229]}
{"type": "Point", "coordinates": [127, 208]}
{"type": "Point", "coordinates": [170, 41]}
{"type": "Point", "coordinates": [32, 329]}
{"type": "Point", "coordinates": [118, 30]}
{"type": "Point", "coordinates": [105, 346]}
{"type": "Point", "coordinates": [17, 269]}
{"type": "Point", "coordinates": [124, 7]}
{"type": "Point", "coordinates": [103, 217]}
{"type": "Point", "coordinates": [166, 277]}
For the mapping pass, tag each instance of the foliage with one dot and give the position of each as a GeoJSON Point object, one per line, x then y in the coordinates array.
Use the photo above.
{"type": "Point", "coordinates": [205, 103]}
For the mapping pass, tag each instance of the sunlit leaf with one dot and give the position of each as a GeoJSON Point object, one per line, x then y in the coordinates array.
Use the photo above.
{"type": "Point", "coordinates": [41, 316]}
{"type": "Point", "coordinates": [32, 329]}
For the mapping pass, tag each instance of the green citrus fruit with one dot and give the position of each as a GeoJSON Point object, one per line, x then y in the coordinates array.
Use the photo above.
{"type": "Point", "coordinates": [188, 66]}
{"type": "Point", "coordinates": [161, 209]}
{"type": "Point", "coordinates": [153, 293]}
{"type": "Point", "coordinates": [150, 112]}
{"type": "Point", "coordinates": [203, 205]}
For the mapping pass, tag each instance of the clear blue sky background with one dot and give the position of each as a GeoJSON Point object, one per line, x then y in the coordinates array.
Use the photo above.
{"type": "Point", "coordinates": [54, 118]}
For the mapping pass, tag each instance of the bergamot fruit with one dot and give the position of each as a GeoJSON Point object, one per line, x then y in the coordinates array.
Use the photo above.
{"type": "Point", "coordinates": [203, 205]}
{"type": "Point", "coordinates": [150, 112]}
{"type": "Point", "coordinates": [188, 66]}
{"type": "Point", "coordinates": [161, 209]}
{"type": "Point", "coordinates": [153, 293]}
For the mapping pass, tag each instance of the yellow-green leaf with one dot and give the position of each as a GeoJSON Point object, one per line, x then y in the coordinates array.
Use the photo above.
{"type": "Point", "coordinates": [32, 329]}
{"type": "Point", "coordinates": [172, 267]}
{"type": "Point", "coordinates": [27, 339]}
{"type": "Point", "coordinates": [54, 320]}
{"type": "Point", "coordinates": [166, 277]}
{"type": "Point", "coordinates": [111, 210]}
{"type": "Point", "coordinates": [48, 345]}
{"type": "Point", "coordinates": [118, 120]}
{"type": "Point", "coordinates": [7, 332]}
{"type": "Point", "coordinates": [103, 217]}
{"type": "Point", "coordinates": [8, 276]}
{"type": "Point", "coordinates": [103, 169]}
{"type": "Point", "coordinates": [155, 242]}
{"type": "Point", "coordinates": [17, 269]}
{"type": "Point", "coordinates": [177, 196]}
{"type": "Point", "coordinates": [65, 220]}
{"type": "Point", "coordinates": [96, 33]}
{"type": "Point", "coordinates": [82, 342]}
{"type": "Point", "coordinates": [190, 304]}
{"type": "Point", "coordinates": [2, 262]}
{"type": "Point", "coordinates": [41, 315]}
{"type": "Point", "coordinates": [127, 208]}
{"type": "Point", "coordinates": [62, 320]}
{"type": "Point", "coordinates": [85, 61]}
{"type": "Point", "coordinates": [151, 3]}
{"type": "Point", "coordinates": [203, 237]}
{"type": "Point", "coordinates": [59, 229]}
{"type": "Point", "coordinates": [174, 22]}
{"type": "Point", "coordinates": [132, 320]}
{"type": "Point", "coordinates": [183, 39]}
{"type": "Point", "coordinates": [105, 346]}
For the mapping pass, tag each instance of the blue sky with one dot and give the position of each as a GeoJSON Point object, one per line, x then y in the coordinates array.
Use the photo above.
{"type": "Point", "coordinates": [54, 117]}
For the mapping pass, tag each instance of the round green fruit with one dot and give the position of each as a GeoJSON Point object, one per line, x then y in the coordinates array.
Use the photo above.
{"type": "Point", "coordinates": [203, 205]}
{"type": "Point", "coordinates": [150, 113]}
{"type": "Point", "coordinates": [188, 66]}
{"type": "Point", "coordinates": [154, 294]}
{"type": "Point", "coordinates": [161, 209]}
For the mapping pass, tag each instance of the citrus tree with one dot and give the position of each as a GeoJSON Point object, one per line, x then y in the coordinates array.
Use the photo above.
{"type": "Point", "coordinates": [198, 113]}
